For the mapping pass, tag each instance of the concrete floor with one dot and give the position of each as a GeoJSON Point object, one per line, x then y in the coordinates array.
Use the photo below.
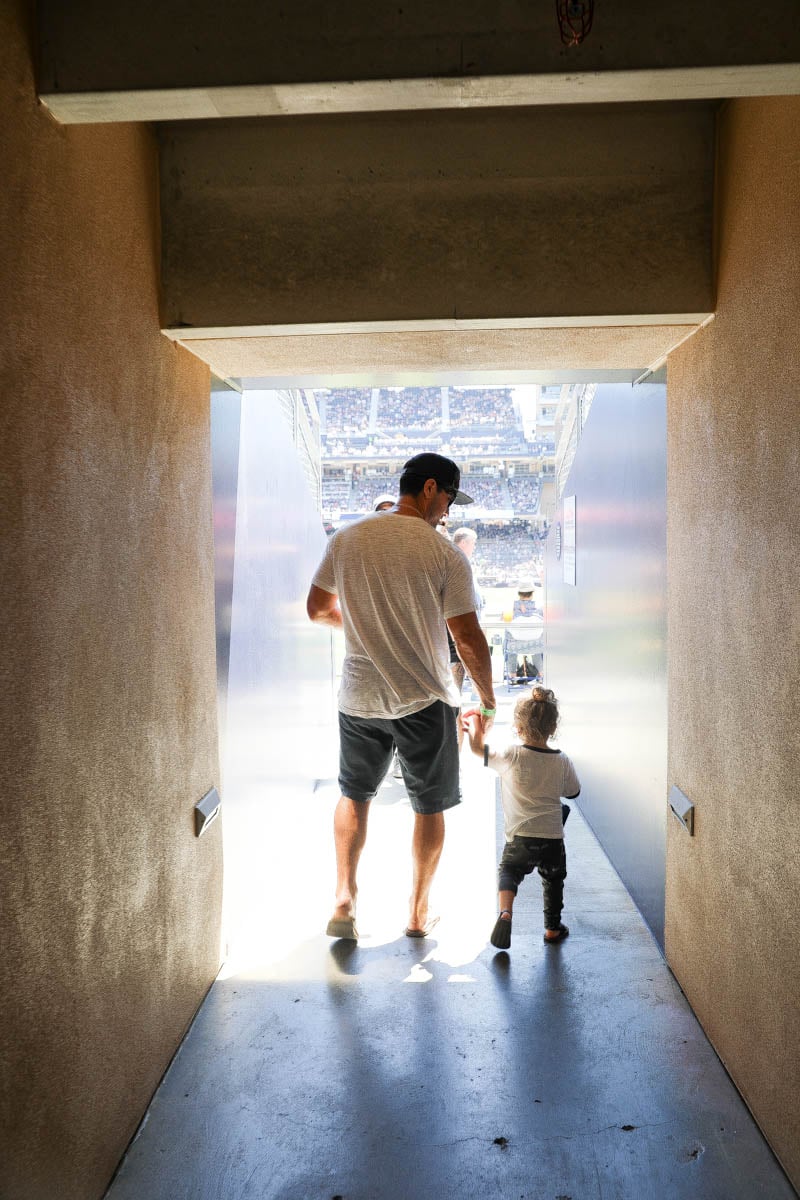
{"type": "Point", "coordinates": [402, 1070]}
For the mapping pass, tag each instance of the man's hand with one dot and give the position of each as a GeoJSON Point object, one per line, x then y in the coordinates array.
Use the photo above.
{"type": "Point", "coordinates": [476, 727]}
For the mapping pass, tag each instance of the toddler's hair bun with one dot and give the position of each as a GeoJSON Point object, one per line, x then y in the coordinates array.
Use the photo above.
{"type": "Point", "coordinates": [543, 694]}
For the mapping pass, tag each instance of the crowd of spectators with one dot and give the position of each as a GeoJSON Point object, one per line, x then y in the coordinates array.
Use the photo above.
{"type": "Point", "coordinates": [410, 408]}
{"type": "Point", "coordinates": [345, 410]}
{"type": "Point", "coordinates": [398, 445]}
{"type": "Point", "coordinates": [481, 406]}
{"type": "Point", "coordinates": [463, 446]}
{"type": "Point", "coordinates": [348, 409]}
{"type": "Point", "coordinates": [336, 492]}
{"type": "Point", "coordinates": [505, 554]}
{"type": "Point", "coordinates": [342, 447]}
{"type": "Point", "coordinates": [524, 493]}
{"type": "Point", "coordinates": [367, 487]}
{"type": "Point", "coordinates": [401, 445]}
{"type": "Point", "coordinates": [487, 491]}
{"type": "Point", "coordinates": [354, 491]}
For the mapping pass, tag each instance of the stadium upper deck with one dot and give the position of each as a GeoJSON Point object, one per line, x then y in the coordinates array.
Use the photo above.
{"type": "Point", "coordinates": [355, 416]}
{"type": "Point", "coordinates": [367, 433]}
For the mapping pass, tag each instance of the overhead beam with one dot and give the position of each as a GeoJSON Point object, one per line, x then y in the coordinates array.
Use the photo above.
{"type": "Point", "coordinates": [390, 95]}
{"type": "Point", "coordinates": [518, 216]}
{"type": "Point", "coordinates": [394, 358]}
{"type": "Point", "coordinates": [154, 61]}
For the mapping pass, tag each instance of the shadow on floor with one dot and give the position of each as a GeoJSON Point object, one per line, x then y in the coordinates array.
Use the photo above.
{"type": "Point", "coordinates": [403, 1070]}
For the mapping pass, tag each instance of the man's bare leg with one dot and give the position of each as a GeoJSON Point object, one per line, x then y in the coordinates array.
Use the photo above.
{"type": "Point", "coordinates": [349, 834]}
{"type": "Point", "coordinates": [426, 850]}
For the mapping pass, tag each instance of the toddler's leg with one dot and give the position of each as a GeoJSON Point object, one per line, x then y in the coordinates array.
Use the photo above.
{"type": "Point", "coordinates": [514, 865]}
{"type": "Point", "coordinates": [553, 870]}
{"type": "Point", "coordinates": [501, 934]}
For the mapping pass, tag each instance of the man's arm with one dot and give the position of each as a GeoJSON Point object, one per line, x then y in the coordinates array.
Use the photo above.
{"type": "Point", "coordinates": [473, 650]}
{"type": "Point", "coordinates": [323, 607]}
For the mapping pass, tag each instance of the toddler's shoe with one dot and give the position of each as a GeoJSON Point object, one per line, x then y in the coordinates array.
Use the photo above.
{"type": "Point", "coordinates": [501, 934]}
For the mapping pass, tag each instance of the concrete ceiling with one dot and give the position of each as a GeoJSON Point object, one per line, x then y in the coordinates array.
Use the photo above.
{"type": "Point", "coordinates": [174, 61]}
{"type": "Point", "coordinates": [427, 190]}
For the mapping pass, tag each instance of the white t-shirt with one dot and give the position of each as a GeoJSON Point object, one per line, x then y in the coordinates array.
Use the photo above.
{"type": "Point", "coordinates": [532, 782]}
{"type": "Point", "coordinates": [397, 581]}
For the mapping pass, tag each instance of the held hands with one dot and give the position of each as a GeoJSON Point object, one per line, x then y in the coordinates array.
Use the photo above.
{"type": "Point", "coordinates": [476, 724]}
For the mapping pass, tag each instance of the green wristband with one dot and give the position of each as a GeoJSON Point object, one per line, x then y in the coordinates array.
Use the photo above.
{"type": "Point", "coordinates": [488, 712]}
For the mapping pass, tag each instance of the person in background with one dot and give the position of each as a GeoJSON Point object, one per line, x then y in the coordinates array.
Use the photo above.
{"type": "Point", "coordinates": [533, 778]}
{"type": "Point", "coordinates": [391, 582]}
{"type": "Point", "coordinates": [525, 605]}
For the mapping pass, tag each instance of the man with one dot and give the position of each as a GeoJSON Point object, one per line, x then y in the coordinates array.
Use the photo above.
{"type": "Point", "coordinates": [391, 582]}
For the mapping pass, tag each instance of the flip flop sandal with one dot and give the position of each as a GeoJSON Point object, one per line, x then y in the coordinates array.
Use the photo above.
{"type": "Point", "coordinates": [342, 927]}
{"type": "Point", "coordinates": [563, 932]}
{"type": "Point", "coordinates": [430, 924]}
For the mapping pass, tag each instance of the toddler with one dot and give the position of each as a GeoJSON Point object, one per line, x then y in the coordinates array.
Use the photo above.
{"type": "Point", "coordinates": [533, 778]}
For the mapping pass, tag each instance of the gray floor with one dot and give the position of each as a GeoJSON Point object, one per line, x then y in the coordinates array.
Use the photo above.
{"type": "Point", "coordinates": [402, 1070]}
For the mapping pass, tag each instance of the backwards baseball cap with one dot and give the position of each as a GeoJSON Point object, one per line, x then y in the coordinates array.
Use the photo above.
{"type": "Point", "coordinates": [443, 470]}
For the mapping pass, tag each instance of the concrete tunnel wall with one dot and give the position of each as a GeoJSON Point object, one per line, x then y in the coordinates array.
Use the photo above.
{"type": "Point", "coordinates": [733, 633]}
{"type": "Point", "coordinates": [733, 532]}
{"type": "Point", "coordinates": [110, 904]}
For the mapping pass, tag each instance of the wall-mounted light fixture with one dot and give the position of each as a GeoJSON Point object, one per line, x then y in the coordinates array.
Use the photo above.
{"type": "Point", "coordinates": [206, 811]}
{"type": "Point", "coordinates": [682, 809]}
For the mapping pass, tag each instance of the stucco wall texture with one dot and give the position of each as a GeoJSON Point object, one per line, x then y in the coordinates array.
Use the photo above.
{"type": "Point", "coordinates": [733, 901]}
{"type": "Point", "coordinates": [110, 930]}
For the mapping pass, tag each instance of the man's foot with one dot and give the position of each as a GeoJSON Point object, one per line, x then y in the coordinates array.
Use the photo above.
{"type": "Point", "coordinates": [501, 934]}
{"type": "Point", "coordinates": [556, 935]}
{"type": "Point", "coordinates": [342, 927]}
{"type": "Point", "coordinates": [343, 923]}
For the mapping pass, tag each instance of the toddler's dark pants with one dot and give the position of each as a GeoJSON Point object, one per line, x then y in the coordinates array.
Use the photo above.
{"type": "Point", "coordinates": [520, 856]}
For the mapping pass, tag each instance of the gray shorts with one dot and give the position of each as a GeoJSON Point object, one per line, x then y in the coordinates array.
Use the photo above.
{"type": "Point", "coordinates": [427, 747]}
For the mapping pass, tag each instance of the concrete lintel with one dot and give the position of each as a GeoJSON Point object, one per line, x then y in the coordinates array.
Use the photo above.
{"type": "Point", "coordinates": [578, 353]}
{"type": "Point", "coordinates": [451, 378]}
{"type": "Point", "coordinates": [684, 320]}
{"type": "Point", "coordinates": [529, 217]}
{"type": "Point", "coordinates": [388, 95]}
